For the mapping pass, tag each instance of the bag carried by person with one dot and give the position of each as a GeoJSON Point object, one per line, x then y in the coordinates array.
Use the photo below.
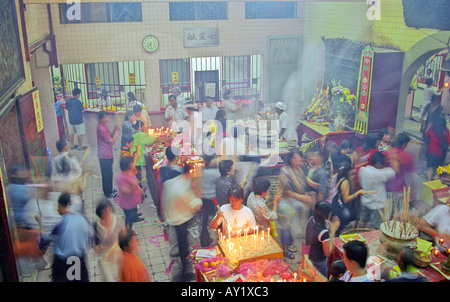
{"type": "Point", "coordinates": [345, 211]}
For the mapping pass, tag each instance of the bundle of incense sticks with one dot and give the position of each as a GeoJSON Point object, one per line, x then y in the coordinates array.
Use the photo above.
{"type": "Point", "coordinates": [409, 222]}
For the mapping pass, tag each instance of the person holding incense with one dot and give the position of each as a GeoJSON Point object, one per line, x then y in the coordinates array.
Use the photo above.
{"type": "Point", "coordinates": [319, 235]}
{"type": "Point", "coordinates": [105, 143]}
{"type": "Point", "coordinates": [130, 194]}
{"type": "Point", "coordinates": [235, 215]}
{"type": "Point", "coordinates": [141, 139]}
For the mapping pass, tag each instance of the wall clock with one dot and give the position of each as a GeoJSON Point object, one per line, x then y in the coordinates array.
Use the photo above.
{"type": "Point", "coordinates": [150, 43]}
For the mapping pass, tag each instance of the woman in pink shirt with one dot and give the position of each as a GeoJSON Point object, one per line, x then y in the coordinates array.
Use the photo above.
{"type": "Point", "coordinates": [130, 194]}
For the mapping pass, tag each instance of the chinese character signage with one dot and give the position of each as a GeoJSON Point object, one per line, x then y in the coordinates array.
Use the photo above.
{"type": "Point", "coordinates": [364, 85]}
{"type": "Point", "coordinates": [201, 37]}
{"type": "Point", "coordinates": [174, 77]}
{"type": "Point", "coordinates": [132, 79]}
{"type": "Point", "coordinates": [37, 111]}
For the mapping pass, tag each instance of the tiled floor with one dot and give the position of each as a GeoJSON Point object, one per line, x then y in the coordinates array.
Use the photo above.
{"type": "Point", "coordinates": [154, 249]}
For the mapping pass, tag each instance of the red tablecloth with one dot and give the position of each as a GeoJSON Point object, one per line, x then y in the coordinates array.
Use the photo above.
{"type": "Point", "coordinates": [374, 245]}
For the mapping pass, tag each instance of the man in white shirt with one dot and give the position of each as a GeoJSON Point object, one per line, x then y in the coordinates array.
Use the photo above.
{"type": "Point", "coordinates": [282, 117]}
{"type": "Point", "coordinates": [209, 110]}
{"type": "Point", "coordinates": [373, 178]}
{"type": "Point", "coordinates": [428, 92]}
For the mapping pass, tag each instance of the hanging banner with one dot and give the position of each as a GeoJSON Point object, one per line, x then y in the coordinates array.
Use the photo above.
{"type": "Point", "coordinates": [174, 77]}
{"type": "Point", "coordinates": [364, 87]}
{"type": "Point", "coordinates": [98, 84]}
{"type": "Point", "coordinates": [37, 111]}
{"type": "Point", "coordinates": [132, 78]}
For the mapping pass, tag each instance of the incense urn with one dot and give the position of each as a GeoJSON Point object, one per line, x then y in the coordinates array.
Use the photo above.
{"type": "Point", "coordinates": [395, 237]}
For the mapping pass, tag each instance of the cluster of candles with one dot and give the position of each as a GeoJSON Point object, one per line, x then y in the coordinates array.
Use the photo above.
{"type": "Point", "coordinates": [243, 240]}
{"type": "Point", "coordinates": [162, 131]}
{"type": "Point", "coordinates": [436, 251]}
{"type": "Point", "coordinates": [196, 170]}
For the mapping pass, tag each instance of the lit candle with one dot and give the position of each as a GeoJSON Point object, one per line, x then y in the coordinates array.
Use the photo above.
{"type": "Point", "coordinates": [262, 236]}
{"type": "Point", "coordinates": [436, 252]}
{"type": "Point", "coordinates": [441, 241]}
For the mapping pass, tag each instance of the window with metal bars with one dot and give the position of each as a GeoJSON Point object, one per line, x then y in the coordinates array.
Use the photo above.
{"type": "Point", "coordinates": [183, 11]}
{"type": "Point", "coordinates": [270, 9]}
{"type": "Point", "coordinates": [116, 78]}
{"type": "Point", "coordinates": [100, 12]}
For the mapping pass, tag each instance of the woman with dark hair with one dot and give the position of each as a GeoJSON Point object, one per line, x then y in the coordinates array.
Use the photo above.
{"type": "Point", "coordinates": [127, 126]}
{"type": "Point", "coordinates": [343, 205]}
{"type": "Point", "coordinates": [130, 194]}
{"type": "Point", "coordinates": [106, 231]}
{"type": "Point", "coordinates": [319, 236]}
{"type": "Point", "coordinates": [295, 204]}
{"type": "Point", "coordinates": [218, 128]}
{"type": "Point", "coordinates": [225, 181]}
{"type": "Point", "coordinates": [104, 100]}
{"type": "Point", "coordinates": [131, 101]}
{"type": "Point", "coordinates": [384, 140]}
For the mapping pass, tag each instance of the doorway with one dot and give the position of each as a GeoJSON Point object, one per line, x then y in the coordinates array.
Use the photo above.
{"type": "Point", "coordinates": [207, 83]}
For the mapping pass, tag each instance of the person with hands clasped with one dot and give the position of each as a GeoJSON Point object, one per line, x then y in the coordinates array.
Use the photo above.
{"type": "Point", "coordinates": [342, 204]}
{"type": "Point", "coordinates": [130, 194]}
{"type": "Point", "coordinates": [319, 235]}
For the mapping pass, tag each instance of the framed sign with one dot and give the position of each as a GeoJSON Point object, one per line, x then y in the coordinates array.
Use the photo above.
{"type": "Point", "coordinates": [201, 37]}
{"type": "Point", "coordinates": [12, 73]}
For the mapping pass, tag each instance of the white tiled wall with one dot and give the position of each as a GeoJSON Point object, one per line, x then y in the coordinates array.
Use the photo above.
{"type": "Point", "coordinates": [112, 42]}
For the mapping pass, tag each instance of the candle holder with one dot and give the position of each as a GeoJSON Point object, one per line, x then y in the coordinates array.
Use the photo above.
{"type": "Point", "coordinates": [244, 249]}
{"type": "Point", "coordinates": [445, 265]}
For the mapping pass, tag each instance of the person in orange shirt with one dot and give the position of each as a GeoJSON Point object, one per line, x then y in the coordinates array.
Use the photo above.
{"type": "Point", "coordinates": [132, 268]}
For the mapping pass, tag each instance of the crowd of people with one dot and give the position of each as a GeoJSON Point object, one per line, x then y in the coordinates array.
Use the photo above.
{"type": "Point", "coordinates": [314, 197]}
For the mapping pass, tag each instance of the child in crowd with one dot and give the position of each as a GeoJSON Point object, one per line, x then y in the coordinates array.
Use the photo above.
{"type": "Point", "coordinates": [337, 270]}
{"type": "Point", "coordinates": [234, 215]}
{"type": "Point", "coordinates": [132, 268]}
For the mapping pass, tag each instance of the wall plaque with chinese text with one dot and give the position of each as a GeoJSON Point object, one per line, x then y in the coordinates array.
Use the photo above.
{"type": "Point", "coordinates": [37, 111]}
{"type": "Point", "coordinates": [201, 37]}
